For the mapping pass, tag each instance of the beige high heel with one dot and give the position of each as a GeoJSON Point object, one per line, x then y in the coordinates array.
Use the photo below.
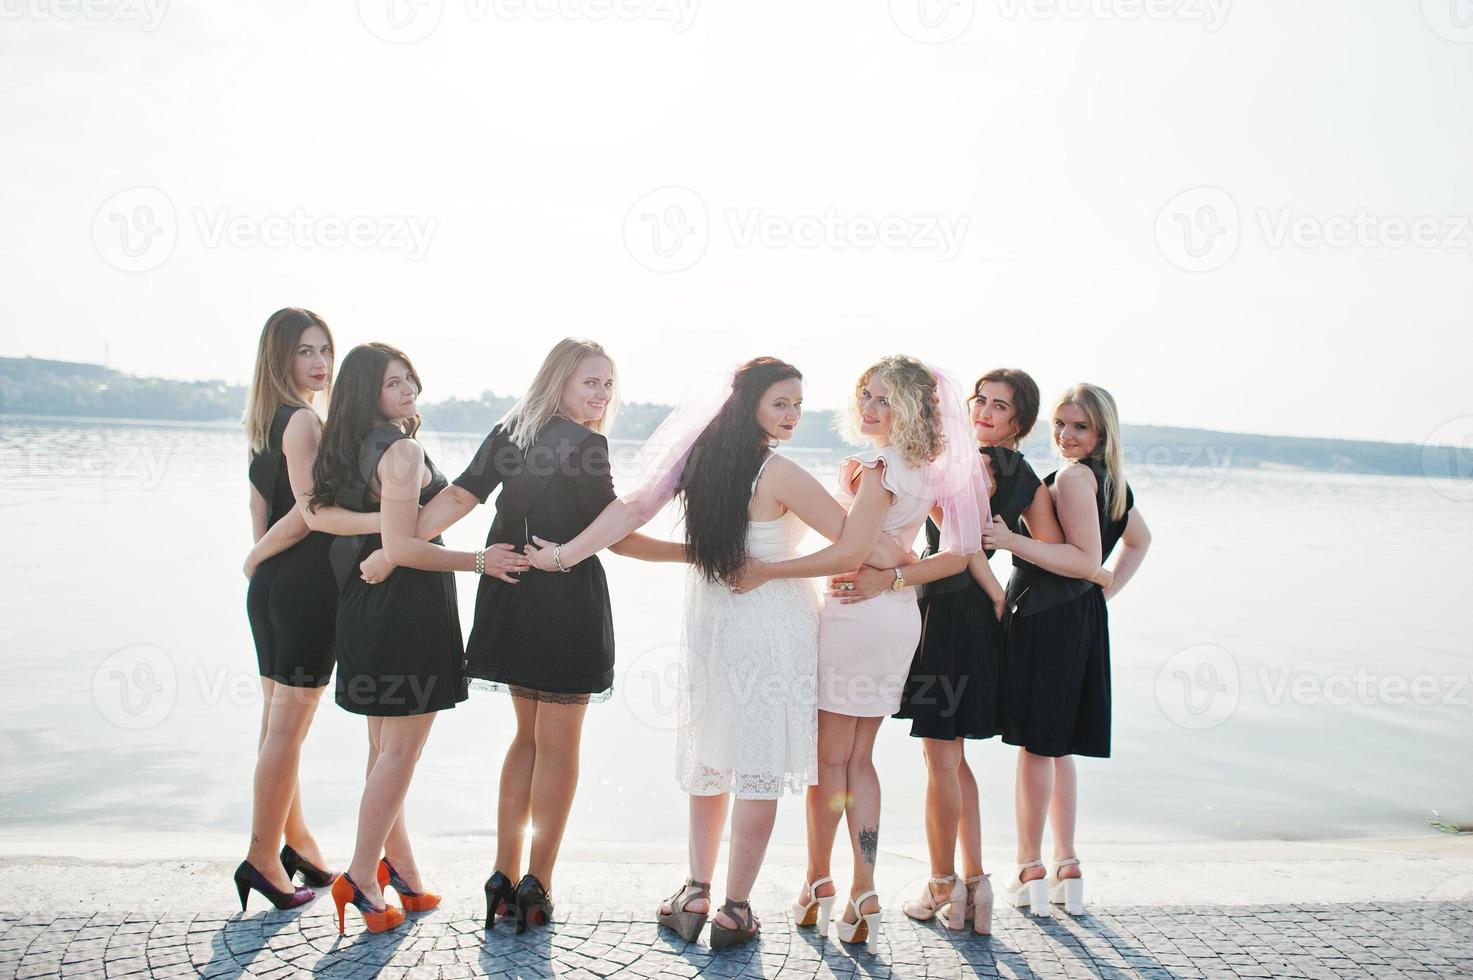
{"type": "Point", "coordinates": [927, 907]}
{"type": "Point", "coordinates": [866, 929]}
{"type": "Point", "coordinates": [687, 924]}
{"type": "Point", "coordinates": [816, 910]}
{"type": "Point", "coordinates": [1068, 892]}
{"type": "Point", "coordinates": [979, 903]}
{"type": "Point", "coordinates": [1030, 894]}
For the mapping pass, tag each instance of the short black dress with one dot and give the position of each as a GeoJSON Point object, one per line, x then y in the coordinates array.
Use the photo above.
{"type": "Point", "coordinates": [1058, 650]}
{"type": "Point", "coordinates": [550, 637]}
{"type": "Point", "coordinates": [291, 600]}
{"type": "Point", "coordinates": [955, 688]}
{"type": "Point", "coordinates": [398, 644]}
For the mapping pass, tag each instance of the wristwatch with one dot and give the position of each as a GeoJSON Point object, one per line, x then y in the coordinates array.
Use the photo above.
{"type": "Point", "coordinates": [899, 582]}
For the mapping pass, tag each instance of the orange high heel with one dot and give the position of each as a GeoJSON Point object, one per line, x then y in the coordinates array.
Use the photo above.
{"type": "Point", "coordinates": [374, 919]}
{"type": "Point", "coordinates": [413, 901]}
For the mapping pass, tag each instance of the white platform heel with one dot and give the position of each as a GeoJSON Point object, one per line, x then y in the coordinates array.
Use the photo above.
{"type": "Point", "coordinates": [1032, 895]}
{"type": "Point", "coordinates": [816, 910]}
{"type": "Point", "coordinates": [1068, 892]}
{"type": "Point", "coordinates": [866, 929]}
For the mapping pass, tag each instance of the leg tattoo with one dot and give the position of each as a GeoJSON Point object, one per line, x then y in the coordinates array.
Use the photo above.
{"type": "Point", "coordinates": [869, 843]}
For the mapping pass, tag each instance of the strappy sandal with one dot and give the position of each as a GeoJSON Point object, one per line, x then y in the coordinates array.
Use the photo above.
{"type": "Point", "coordinates": [866, 929]}
{"type": "Point", "coordinates": [687, 924]}
{"type": "Point", "coordinates": [1068, 892]}
{"type": "Point", "coordinates": [816, 910]}
{"type": "Point", "coordinates": [722, 937]}
{"type": "Point", "coordinates": [929, 905]}
{"type": "Point", "coordinates": [979, 903]}
{"type": "Point", "coordinates": [1032, 895]}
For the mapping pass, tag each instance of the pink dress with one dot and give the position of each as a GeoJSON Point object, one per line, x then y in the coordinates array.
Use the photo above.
{"type": "Point", "coordinates": [865, 648]}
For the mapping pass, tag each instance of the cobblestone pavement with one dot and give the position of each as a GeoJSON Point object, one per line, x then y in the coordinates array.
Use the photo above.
{"type": "Point", "coordinates": [1421, 939]}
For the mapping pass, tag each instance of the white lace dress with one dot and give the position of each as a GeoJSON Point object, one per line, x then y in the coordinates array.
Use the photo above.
{"type": "Point", "coordinates": [748, 683]}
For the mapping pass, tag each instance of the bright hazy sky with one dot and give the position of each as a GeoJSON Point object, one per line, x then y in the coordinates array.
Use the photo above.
{"type": "Point", "coordinates": [980, 184]}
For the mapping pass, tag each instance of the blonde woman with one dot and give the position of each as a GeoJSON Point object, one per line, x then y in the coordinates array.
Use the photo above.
{"type": "Point", "coordinates": [546, 639]}
{"type": "Point", "coordinates": [1058, 644]}
{"type": "Point", "coordinates": [291, 600]}
{"type": "Point", "coordinates": [921, 457]}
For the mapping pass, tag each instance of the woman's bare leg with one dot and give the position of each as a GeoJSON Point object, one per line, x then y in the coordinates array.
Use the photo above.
{"type": "Point", "coordinates": [751, 829]}
{"type": "Point", "coordinates": [554, 781]}
{"type": "Point", "coordinates": [514, 801]}
{"type": "Point", "coordinates": [1035, 786]}
{"type": "Point", "coordinates": [828, 799]}
{"type": "Point", "coordinates": [707, 820]}
{"type": "Point", "coordinates": [285, 717]}
{"type": "Point", "coordinates": [862, 815]}
{"type": "Point", "coordinates": [943, 802]}
{"type": "Point", "coordinates": [969, 826]}
{"type": "Point", "coordinates": [1063, 812]}
{"type": "Point", "coordinates": [400, 742]}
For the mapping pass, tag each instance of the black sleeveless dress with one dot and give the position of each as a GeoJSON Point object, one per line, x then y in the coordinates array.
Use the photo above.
{"type": "Point", "coordinates": [291, 600]}
{"type": "Point", "coordinates": [955, 688]}
{"type": "Point", "coordinates": [1058, 650]}
{"type": "Point", "coordinates": [550, 637]}
{"type": "Point", "coordinates": [398, 642]}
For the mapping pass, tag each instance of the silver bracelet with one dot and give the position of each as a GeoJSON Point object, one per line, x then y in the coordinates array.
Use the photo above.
{"type": "Point", "coordinates": [480, 561]}
{"type": "Point", "coordinates": [557, 557]}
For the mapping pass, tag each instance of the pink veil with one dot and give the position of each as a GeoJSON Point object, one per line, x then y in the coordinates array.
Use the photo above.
{"type": "Point", "coordinates": [956, 476]}
{"type": "Point", "coordinates": [660, 462]}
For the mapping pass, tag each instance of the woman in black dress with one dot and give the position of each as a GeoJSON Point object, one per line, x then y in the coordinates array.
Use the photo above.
{"type": "Point", "coordinates": [547, 639]}
{"type": "Point", "coordinates": [291, 600]}
{"type": "Point", "coordinates": [1058, 644]}
{"type": "Point", "coordinates": [399, 653]}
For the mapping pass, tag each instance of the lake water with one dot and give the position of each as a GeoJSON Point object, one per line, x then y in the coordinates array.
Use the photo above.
{"type": "Point", "coordinates": [1293, 661]}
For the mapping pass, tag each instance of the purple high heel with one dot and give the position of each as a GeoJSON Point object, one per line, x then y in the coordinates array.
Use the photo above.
{"type": "Point", "coordinates": [247, 877]}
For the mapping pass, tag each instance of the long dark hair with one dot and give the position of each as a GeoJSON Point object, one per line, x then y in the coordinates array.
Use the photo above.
{"type": "Point", "coordinates": [353, 415]}
{"type": "Point", "coordinates": [717, 481]}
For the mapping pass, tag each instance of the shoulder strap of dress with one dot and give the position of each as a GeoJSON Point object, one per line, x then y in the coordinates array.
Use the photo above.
{"type": "Point", "coordinates": [279, 423]}
{"type": "Point", "coordinates": [355, 496]}
{"type": "Point", "coordinates": [760, 470]}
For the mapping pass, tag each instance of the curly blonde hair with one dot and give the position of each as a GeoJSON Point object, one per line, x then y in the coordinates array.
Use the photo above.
{"type": "Point", "coordinates": [915, 425]}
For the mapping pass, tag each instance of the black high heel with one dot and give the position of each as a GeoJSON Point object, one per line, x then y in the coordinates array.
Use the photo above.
{"type": "Point", "coordinates": [533, 903]}
{"type": "Point", "coordinates": [247, 877]}
{"type": "Point", "coordinates": [501, 897]}
{"type": "Point", "coordinates": [311, 873]}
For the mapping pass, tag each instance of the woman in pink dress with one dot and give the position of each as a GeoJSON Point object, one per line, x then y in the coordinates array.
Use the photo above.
{"type": "Point", "coordinates": [921, 459]}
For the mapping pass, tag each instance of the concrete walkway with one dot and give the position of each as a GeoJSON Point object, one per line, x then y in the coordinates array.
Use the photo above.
{"type": "Point", "coordinates": [1393, 940]}
{"type": "Point", "coordinates": [1353, 908]}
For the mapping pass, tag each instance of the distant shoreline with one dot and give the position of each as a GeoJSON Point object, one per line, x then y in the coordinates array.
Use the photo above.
{"type": "Point", "coordinates": [65, 391]}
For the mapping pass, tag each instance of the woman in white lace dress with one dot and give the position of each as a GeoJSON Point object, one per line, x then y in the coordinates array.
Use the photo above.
{"type": "Point", "coordinates": [748, 719]}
